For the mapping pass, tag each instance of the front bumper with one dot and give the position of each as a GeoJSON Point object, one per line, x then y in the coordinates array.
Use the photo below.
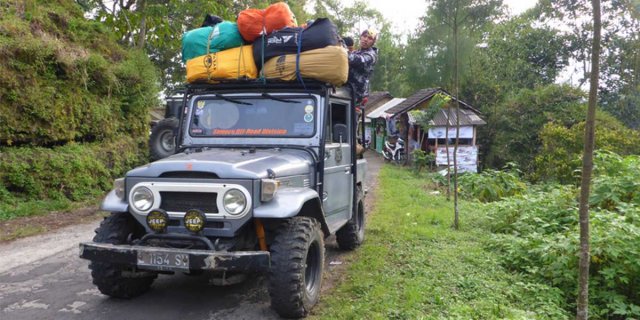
{"type": "Point", "coordinates": [208, 260]}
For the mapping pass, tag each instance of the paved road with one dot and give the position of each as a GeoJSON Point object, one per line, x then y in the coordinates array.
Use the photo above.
{"type": "Point", "coordinates": [42, 277]}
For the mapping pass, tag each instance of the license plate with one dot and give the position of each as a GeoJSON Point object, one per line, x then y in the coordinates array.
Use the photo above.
{"type": "Point", "coordinates": [163, 260]}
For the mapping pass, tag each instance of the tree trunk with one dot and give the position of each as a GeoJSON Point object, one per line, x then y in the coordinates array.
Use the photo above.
{"type": "Point", "coordinates": [587, 167]}
{"type": "Point", "coordinates": [143, 25]}
{"type": "Point", "coordinates": [455, 148]}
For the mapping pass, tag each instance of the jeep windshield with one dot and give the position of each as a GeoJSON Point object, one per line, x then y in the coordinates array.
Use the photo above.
{"type": "Point", "coordinates": [256, 116]}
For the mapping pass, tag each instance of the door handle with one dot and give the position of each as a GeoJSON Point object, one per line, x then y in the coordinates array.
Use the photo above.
{"type": "Point", "coordinates": [347, 170]}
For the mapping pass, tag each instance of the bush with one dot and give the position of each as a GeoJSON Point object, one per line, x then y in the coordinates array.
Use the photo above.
{"type": "Point", "coordinates": [491, 185]}
{"type": "Point", "coordinates": [421, 159]}
{"type": "Point", "coordinates": [538, 234]}
{"type": "Point", "coordinates": [560, 158]}
{"type": "Point", "coordinates": [74, 172]}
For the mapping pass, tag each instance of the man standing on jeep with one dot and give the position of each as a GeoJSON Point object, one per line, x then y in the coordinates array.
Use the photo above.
{"type": "Point", "coordinates": [361, 64]}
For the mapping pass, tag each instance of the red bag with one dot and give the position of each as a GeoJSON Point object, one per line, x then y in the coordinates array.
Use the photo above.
{"type": "Point", "coordinates": [254, 22]}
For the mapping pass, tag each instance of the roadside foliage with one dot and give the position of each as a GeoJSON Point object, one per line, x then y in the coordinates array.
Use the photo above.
{"type": "Point", "coordinates": [536, 233]}
{"type": "Point", "coordinates": [74, 107]}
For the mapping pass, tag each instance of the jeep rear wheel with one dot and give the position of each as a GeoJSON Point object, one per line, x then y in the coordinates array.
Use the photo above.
{"type": "Point", "coordinates": [351, 235]}
{"type": "Point", "coordinates": [297, 262]}
{"type": "Point", "coordinates": [112, 279]}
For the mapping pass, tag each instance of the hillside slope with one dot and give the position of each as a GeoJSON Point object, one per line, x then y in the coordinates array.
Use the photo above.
{"type": "Point", "coordinates": [73, 104]}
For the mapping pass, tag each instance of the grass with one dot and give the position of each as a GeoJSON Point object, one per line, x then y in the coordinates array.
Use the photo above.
{"type": "Point", "coordinates": [413, 265]}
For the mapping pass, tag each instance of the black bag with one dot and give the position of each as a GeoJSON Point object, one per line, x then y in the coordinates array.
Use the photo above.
{"type": "Point", "coordinates": [211, 21]}
{"type": "Point", "coordinates": [321, 33]}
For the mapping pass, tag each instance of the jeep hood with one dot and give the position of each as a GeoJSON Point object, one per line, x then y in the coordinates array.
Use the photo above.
{"type": "Point", "coordinates": [232, 163]}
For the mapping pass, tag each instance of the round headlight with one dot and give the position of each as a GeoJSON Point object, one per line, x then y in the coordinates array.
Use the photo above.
{"type": "Point", "coordinates": [142, 198]}
{"type": "Point", "coordinates": [157, 220]}
{"type": "Point", "coordinates": [194, 220]}
{"type": "Point", "coordinates": [234, 201]}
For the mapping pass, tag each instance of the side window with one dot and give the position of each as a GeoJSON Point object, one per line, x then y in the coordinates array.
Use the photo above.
{"type": "Point", "coordinates": [337, 115]}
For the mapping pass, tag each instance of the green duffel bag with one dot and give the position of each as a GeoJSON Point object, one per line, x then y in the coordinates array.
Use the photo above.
{"type": "Point", "coordinates": [202, 41]}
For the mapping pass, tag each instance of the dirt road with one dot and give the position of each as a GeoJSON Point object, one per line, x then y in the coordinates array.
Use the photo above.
{"type": "Point", "coordinates": [41, 277]}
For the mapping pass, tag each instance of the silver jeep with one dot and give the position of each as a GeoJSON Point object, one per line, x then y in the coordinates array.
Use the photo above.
{"type": "Point", "coordinates": [262, 175]}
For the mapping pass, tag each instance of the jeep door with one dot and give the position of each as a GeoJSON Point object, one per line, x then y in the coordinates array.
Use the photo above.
{"type": "Point", "coordinates": [338, 178]}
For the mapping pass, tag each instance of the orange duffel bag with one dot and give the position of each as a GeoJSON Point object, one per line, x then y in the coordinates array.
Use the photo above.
{"type": "Point", "coordinates": [329, 64]}
{"type": "Point", "coordinates": [236, 63]}
{"type": "Point", "coordinates": [254, 22]}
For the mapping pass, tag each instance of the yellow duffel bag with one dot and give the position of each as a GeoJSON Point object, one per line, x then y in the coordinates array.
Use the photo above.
{"type": "Point", "coordinates": [236, 63]}
{"type": "Point", "coordinates": [329, 64]}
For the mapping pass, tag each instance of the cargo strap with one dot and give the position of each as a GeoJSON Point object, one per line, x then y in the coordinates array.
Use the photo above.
{"type": "Point", "coordinates": [264, 39]}
{"type": "Point", "coordinates": [298, 75]}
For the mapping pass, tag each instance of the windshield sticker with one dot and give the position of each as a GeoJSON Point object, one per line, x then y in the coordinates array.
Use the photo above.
{"type": "Point", "coordinates": [196, 131]}
{"type": "Point", "coordinates": [303, 128]}
{"type": "Point", "coordinates": [250, 132]}
{"type": "Point", "coordinates": [308, 109]}
{"type": "Point", "coordinates": [200, 104]}
{"type": "Point", "coordinates": [308, 117]}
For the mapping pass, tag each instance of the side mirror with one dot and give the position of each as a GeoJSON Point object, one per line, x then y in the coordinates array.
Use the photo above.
{"type": "Point", "coordinates": [340, 132]}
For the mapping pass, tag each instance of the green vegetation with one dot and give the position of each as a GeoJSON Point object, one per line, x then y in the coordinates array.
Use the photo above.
{"type": "Point", "coordinates": [73, 107]}
{"type": "Point", "coordinates": [491, 185]}
{"type": "Point", "coordinates": [536, 234]}
{"type": "Point", "coordinates": [515, 257]}
{"type": "Point", "coordinates": [36, 179]}
{"type": "Point", "coordinates": [414, 266]}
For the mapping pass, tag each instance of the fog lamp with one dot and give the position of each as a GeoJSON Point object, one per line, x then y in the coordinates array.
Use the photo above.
{"type": "Point", "coordinates": [194, 220]}
{"type": "Point", "coordinates": [157, 220]}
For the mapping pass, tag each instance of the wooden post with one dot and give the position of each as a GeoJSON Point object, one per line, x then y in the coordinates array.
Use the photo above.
{"type": "Point", "coordinates": [473, 143]}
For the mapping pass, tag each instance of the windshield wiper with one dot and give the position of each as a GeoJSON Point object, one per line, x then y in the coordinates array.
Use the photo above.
{"type": "Point", "coordinates": [219, 96]}
{"type": "Point", "coordinates": [266, 95]}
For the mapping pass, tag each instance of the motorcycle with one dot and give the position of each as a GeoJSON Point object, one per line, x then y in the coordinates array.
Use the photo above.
{"type": "Point", "coordinates": [394, 150]}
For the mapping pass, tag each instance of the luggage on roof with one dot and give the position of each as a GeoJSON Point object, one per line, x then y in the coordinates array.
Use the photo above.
{"type": "Point", "coordinates": [254, 22]}
{"type": "Point", "coordinates": [328, 64]}
{"type": "Point", "coordinates": [198, 42]}
{"type": "Point", "coordinates": [321, 33]}
{"type": "Point", "coordinates": [236, 63]}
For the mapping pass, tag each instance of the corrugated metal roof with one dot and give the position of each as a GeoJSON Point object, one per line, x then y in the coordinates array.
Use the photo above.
{"type": "Point", "coordinates": [467, 117]}
{"type": "Point", "coordinates": [381, 111]}
{"type": "Point", "coordinates": [377, 99]}
{"type": "Point", "coordinates": [468, 114]}
{"type": "Point", "coordinates": [414, 100]}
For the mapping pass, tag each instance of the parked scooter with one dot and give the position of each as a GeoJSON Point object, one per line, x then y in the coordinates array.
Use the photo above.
{"type": "Point", "coordinates": [394, 149]}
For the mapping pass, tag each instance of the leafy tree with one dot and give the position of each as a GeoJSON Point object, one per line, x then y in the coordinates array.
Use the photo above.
{"type": "Point", "coordinates": [429, 53]}
{"type": "Point", "coordinates": [620, 71]}
{"type": "Point", "coordinates": [559, 158]}
{"type": "Point", "coordinates": [156, 26]}
{"type": "Point", "coordinates": [519, 119]}
{"type": "Point", "coordinates": [350, 20]}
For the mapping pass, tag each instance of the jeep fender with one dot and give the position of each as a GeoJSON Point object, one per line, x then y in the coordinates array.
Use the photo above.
{"type": "Point", "coordinates": [113, 203]}
{"type": "Point", "coordinates": [291, 202]}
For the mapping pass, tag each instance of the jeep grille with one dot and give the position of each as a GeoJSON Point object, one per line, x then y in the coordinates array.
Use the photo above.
{"type": "Point", "coordinates": [183, 201]}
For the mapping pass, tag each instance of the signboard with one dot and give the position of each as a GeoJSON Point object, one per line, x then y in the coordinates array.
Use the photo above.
{"type": "Point", "coordinates": [466, 132]}
{"type": "Point", "coordinates": [467, 158]}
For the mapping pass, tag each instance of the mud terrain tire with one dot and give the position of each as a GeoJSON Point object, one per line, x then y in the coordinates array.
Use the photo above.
{"type": "Point", "coordinates": [297, 262]}
{"type": "Point", "coordinates": [162, 139]}
{"type": "Point", "coordinates": [108, 277]}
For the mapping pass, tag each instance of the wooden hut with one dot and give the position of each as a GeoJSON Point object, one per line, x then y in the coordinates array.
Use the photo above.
{"type": "Point", "coordinates": [435, 139]}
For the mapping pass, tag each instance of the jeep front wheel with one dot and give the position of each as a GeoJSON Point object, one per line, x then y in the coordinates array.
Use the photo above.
{"type": "Point", "coordinates": [112, 279]}
{"type": "Point", "coordinates": [297, 262]}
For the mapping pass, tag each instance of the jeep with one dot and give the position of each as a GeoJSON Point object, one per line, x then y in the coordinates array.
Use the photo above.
{"type": "Point", "coordinates": [263, 173]}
